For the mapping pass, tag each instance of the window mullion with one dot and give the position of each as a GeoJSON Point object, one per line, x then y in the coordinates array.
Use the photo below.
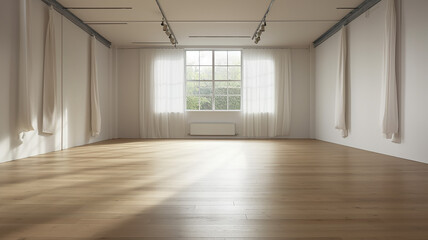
{"type": "Point", "coordinates": [227, 78]}
{"type": "Point", "coordinates": [213, 78]}
{"type": "Point", "coordinates": [199, 78]}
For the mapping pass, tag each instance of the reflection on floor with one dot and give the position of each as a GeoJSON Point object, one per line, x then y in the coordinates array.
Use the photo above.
{"type": "Point", "coordinates": [213, 189]}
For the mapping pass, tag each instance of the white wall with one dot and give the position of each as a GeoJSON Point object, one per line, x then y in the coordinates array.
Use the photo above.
{"type": "Point", "coordinates": [300, 94]}
{"type": "Point", "coordinates": [35, 142]}
{"type": "Point", "coordinates": [365, 41]}
{"type": "Point", "coordinates": [128, 90]}
{"type": "Point", "coordinates": [76, 78]}
{"type": "Point", "coordinates": [8, 71]}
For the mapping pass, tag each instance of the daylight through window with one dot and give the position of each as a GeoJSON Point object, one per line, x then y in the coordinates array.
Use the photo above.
{"type": "Point", "coordinates": [213, 80]}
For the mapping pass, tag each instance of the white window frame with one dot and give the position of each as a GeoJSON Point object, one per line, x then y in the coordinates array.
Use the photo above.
{"type": "Point", "coordinates": [213, 81]}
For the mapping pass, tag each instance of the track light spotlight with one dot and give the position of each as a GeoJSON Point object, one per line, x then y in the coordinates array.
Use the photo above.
{"type": "Point", "coordinates": [164, 25]}
{"type": "Point", "coordinates": [262, 28]}
{"type": "Point", "coordinates": [257, 40]}
{"type": "Point", "coordinates": [167, 32]}
{"type": "Point", "coordinates": [259, 33]}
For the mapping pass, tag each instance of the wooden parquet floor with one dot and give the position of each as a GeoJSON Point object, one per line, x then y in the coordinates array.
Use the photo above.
{"type": "Point", "coordinates": [213, 189]}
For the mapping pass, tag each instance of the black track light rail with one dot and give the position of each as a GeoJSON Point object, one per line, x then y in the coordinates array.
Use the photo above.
{"type": "Point", "coordinates": [165, 20]}
{"type": "Point", "coordinates": [263, 20]}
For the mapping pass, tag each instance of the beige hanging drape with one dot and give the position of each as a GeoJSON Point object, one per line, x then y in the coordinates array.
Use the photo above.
{"type": "Point", "coordinates": [49, 78]}
{"type": "Point", "coordinates": [340, 104]}
{"type": "Point", "coordinates": [95, 98]}
{"type": "Point", "coordinates": [389, 105]}
{"type": "Point", "coordinates": [24, 106]}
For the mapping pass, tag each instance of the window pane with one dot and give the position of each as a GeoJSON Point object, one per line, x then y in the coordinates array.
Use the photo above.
{"type": "Point", "coordinates": [206, 73]}
{"type": "Point", "coordinates": [234, 57]}
{"type": "Point", "coordinates": [192, 57]}
{"type": "Point", "coordinates": [234, 73]}
{"type": "Point", "coordinates": [221, 103]}
{"type": "Point", "coordinates": [220, 88]}
{"type": "Point", "coordinates": [234, 88]}
{"type": "Point", "coordinates": [206, 57]}
{"type": "Point", "coordinates": [234, 103]}
{"type": "Point", "coordinates": [192, 102]}
{"type": "Point", "coordinates": [206, 103]}
{"type": "Point", "coordinates": [220, 57]}
{"type": "Point", "coordinates": [192, 73]}
{"type": "Point", "coordinates": [192, 88]}
{"type": "Point", "coordinates": [220, 73]}
{"type": "Point", "coordinates": [206, 88]}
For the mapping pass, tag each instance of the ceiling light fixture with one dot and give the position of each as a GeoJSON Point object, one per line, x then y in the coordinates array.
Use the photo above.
{"type": "Point", "coordinates": [172, 40]}
{"type": "Point", "coordinates": [100, 8]}
{"type": "Point", "coordinates": [167, 28]}
{"type": "Point", "coordinates": [261, 28]}
{"type": "Point", "coordinates": [164, 26]}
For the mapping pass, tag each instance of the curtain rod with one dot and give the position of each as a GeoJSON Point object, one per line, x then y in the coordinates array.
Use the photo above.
{"type": "Point", "coordinates": [77, 21]}
{"type": "Point", "coordinates": [362, 8]}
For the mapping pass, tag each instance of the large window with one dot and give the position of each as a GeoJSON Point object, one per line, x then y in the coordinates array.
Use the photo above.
{"type": "Point", "coordinates": [213, 80]}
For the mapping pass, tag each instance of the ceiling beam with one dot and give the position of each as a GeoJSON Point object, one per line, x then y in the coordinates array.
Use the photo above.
{"type": "Point", "coordinates": [74, 19]}
{"type": "Point", "coordinates": [362, 8]}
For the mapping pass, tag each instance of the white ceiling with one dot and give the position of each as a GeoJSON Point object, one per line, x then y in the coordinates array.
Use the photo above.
{"type": "Point", "coordinates": [290, 23]}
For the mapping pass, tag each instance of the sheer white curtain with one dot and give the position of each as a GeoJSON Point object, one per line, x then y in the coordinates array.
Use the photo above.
{"type": "Point", "coordinates": [266, 98]}
{"type": "Point", "coordinates": [95, 96]}
{"type": "Point", "coordinates": [49, 78]}
{"type": "Point", "coordinates": [389, 101]}
{"type": "Point", "coordinates": [162, 106]}
{"type": "Point", "coordinates": [340, 106]}
{"type": "Point", "coordinates": [24, 106]}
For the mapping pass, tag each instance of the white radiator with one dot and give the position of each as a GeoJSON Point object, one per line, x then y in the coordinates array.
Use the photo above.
{"type": "Point", "coordinates": [212, 129]}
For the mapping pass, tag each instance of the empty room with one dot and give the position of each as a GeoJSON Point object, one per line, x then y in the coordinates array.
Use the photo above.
{"type": "Point", "coordinates": [213, 119]}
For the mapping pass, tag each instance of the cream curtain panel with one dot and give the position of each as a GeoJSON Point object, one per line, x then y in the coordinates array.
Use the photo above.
{"type": "Point", "coordinates": [340, 104]}
{"type": "Point", "coordinates": [266, 106]}
{"type": "Point", "coordinates": [49, 78]}
{"type": "Point", "coordinates": [389, 101]}
{"type": "Point", "coordinates": [162, 93]}
{"type": "Point", "coordinates": [95, 96]}
{"type": "Point", "coordinates": [24, 106]}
